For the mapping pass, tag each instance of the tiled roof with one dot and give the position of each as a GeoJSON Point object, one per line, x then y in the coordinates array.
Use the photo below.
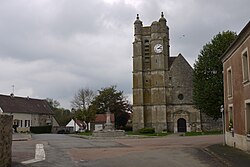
{"type": "Point", "coordinates": [101, 118]}
{"type": "Point", "coordinates": [79, 123]}
{"type": "Point", "coordinates": [12, 104]}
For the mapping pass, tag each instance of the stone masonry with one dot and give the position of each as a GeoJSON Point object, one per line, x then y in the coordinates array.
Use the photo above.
{"type": "Point", "coordinates": [5, 140]}
{"type": "Point", "coordinates": [162, 85]}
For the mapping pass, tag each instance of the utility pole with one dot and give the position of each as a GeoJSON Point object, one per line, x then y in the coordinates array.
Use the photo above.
{"type": "Point", "coordinates": [223, 128]}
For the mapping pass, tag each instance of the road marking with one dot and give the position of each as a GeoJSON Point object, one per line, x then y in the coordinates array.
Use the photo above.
{"type": "Point", "coordinates": [39, 155]}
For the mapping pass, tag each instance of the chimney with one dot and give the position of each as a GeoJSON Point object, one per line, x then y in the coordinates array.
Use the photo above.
{"type": "Point", "coordinates": [12, 95]}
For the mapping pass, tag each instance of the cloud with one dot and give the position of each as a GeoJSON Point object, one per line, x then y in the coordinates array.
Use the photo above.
{"type": "Point", "coordinates": [53, 48]}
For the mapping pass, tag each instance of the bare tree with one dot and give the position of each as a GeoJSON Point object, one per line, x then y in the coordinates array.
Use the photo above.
{"type": "Point", "coordinates": [83, 98]}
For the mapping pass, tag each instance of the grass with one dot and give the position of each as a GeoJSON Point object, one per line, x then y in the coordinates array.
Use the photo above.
{"type": "Point", "coordinates": [130, 133]}
{"type": "Point", "coordinates": [85, 133]}
{"type": "Point", "coordinates": [203, 133]}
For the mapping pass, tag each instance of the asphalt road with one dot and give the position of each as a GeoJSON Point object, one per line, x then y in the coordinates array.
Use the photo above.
{"type": "Point", "coordinates": [66, 151]}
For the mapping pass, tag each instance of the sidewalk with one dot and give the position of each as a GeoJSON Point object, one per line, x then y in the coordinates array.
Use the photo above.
{"type": "Point", "coordinates": [230, 156]}
{"type": "Point", "coordinates": [21, 136]}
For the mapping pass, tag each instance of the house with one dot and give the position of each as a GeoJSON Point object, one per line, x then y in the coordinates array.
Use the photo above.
{"type": "Point", "coordinates": [99, 122]}
{"type": "Point", "coordinates": [26, 112]}
{"type": "Point", "coordinates": [75, 125]}
{"type": "Point", "coordinates": [237, 91]}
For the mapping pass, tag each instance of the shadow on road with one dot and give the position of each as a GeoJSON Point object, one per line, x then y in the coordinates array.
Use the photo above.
{"type": "Point", "coordinates": [230, 156]}
{"type": "Point", "coordinates": [16, 164]}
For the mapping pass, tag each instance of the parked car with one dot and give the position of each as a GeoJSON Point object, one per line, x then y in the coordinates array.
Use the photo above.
{"type": "Point", "coordinates": [63, 131]}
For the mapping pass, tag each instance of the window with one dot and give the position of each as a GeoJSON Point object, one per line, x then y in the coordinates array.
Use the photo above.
{"type": "Point", "coordinates": [230, 118]}
{"type": "Point", "coordinates": [146, 54]}
{"type": "Point", "coordinates": [27, 123]}
{"type": "Point", "coordinates": [147, 59]}
{"type": "Point", "coordinates": [20, 123]}
{"type": "Point", "coordinates": [245, 66]}
{"type": "Point", "coordinates": [180, 97]}
{"type": "Point", "coordinates": [247, 117]}
{"type": "Point", "coordinates": [229, 82]}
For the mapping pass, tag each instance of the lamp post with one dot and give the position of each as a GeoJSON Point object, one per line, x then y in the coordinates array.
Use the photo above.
{"type": "Point", "coordinates": [222, 117]}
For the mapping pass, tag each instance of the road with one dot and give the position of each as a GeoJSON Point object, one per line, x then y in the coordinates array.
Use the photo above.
{"type": "Point", "coordinates": [66, 151]}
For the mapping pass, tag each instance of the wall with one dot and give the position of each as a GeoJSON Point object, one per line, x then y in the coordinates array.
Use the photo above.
{"type": "Point", "coordinates": [5, 140]}
{"type": "Point", "coordinates": [23, 117]}
{"type": "Point", "coordinates": [209, 124]}
{"type": "Point", "coordinates": [238, 141]}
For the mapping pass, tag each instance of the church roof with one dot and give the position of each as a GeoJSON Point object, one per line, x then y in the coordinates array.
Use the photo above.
{"type": "Point", "coordinates": [13, 104]}
{"type": "Point", "coordinates": [170, 61]}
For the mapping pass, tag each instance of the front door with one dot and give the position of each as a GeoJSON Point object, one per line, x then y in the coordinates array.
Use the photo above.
{"type": "Point", "coordinates": [181, 125]}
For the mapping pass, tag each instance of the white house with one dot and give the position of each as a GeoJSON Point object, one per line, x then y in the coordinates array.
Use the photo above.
{"type": "Point", "coordinates": [75, 125]}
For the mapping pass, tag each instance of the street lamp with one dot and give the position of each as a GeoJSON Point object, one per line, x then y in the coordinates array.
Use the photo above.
{"type": "Point", "coordinates": [222, 117]}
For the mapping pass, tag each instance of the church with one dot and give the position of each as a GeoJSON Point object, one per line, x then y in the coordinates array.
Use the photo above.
{"type": "Point", "coordinates": [162, 84]}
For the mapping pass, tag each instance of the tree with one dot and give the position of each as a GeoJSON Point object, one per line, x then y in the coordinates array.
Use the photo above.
{"type": "Point", "coordinates": [83, 99]}
{"type": "Point", "coordinates": [113, 99]}
{"type": "Point", "coordinates": [208, 77]}
{"type": "Point", "coordinates": [53, 103]}
{"type": "Point", "coordinates": [85, 115]}
{"type": "Point", "coordinates": [82, 105]}
{"type": "Point", "coordinates": [62, 115]}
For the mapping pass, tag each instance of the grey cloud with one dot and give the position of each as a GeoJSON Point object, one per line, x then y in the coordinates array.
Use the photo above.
{"type": "Point", "coordinates": [53, 48]}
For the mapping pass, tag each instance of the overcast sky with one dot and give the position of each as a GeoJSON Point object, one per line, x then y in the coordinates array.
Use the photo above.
{"type": "Point", "coordinates": [52, 48]}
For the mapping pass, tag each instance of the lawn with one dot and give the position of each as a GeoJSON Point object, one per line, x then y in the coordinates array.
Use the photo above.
{"type": "Point", "coordinates": [202, 133]}
{"type": "Point", "coordinates": [85, 133]}
{"type": "Point", "coordinates": [130, 133]}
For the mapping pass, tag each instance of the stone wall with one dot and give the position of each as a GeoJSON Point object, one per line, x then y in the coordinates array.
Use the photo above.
{"type": "Point", "coordinates": [209, 124]}
{"type": "Point", "coordinates": [5, 140]}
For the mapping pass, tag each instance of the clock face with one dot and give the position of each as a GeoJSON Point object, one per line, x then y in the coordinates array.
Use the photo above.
{"type": "Point", "coordinates": [158, 48]}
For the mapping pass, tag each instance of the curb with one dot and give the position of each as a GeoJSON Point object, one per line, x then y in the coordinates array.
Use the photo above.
{"type": "Point", "coordinates": [216, 156]}
{"type": "Point", "coordinates": [22, 138]}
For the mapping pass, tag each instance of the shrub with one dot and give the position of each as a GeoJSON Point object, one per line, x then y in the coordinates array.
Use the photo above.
{"type": "Point", "coordinates": [40, 129]}
{"type": "Point", "coordinates": [147, 130]}
{"type": "Point", "coordinates": [127, 128]}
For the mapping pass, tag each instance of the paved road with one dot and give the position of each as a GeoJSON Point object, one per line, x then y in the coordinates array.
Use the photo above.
{"type": "Point", "coordinates": [67, 151]}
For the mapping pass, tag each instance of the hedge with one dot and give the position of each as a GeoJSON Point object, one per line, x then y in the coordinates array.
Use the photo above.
{"type": "Point", "coordinates": [147, 130]}
{"type": "Point", "coordinates": [40, 129]}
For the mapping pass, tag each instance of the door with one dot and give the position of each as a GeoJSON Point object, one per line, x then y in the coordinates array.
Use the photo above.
{"type": "Point", "coordinates": [181, 125]}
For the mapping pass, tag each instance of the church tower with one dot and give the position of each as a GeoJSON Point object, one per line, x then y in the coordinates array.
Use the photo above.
{"type": "Point", "coordinates": [162, 85]}
{"type": "Point", "coordinates": [150, 66]}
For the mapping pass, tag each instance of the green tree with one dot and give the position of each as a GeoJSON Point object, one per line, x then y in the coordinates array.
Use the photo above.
{"type": "Point", "coordinates": [63, 116]}
{"type": "Point", "coordinates": [82, 105]}
{"type": "Point", "coordinates": [208, 77]}
{"type": "Point", "coordinates": [53, 103]}
{"type": "Point", "coordinates": [113, 99]}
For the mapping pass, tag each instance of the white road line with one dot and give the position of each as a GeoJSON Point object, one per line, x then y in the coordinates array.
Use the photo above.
{"type": "Point", "coordinates": [39, 155]}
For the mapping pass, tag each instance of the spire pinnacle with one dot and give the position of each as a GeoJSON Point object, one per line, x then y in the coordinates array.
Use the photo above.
{"type": "Point", "coordinates": [162, 15]}
{"type": "Point", "coordinates": [137, 16]}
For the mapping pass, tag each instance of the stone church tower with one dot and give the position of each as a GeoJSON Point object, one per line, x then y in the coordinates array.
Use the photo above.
{"type": "Point", "coordinates": [162, 85]}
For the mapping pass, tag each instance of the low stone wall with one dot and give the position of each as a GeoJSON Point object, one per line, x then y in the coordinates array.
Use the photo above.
{"type": "Point", "coordinates": [209, 124]}
{"type": "Point", "coordinates": [5, 140]}
{"type": "Point", "coordinates": [112, 133]}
